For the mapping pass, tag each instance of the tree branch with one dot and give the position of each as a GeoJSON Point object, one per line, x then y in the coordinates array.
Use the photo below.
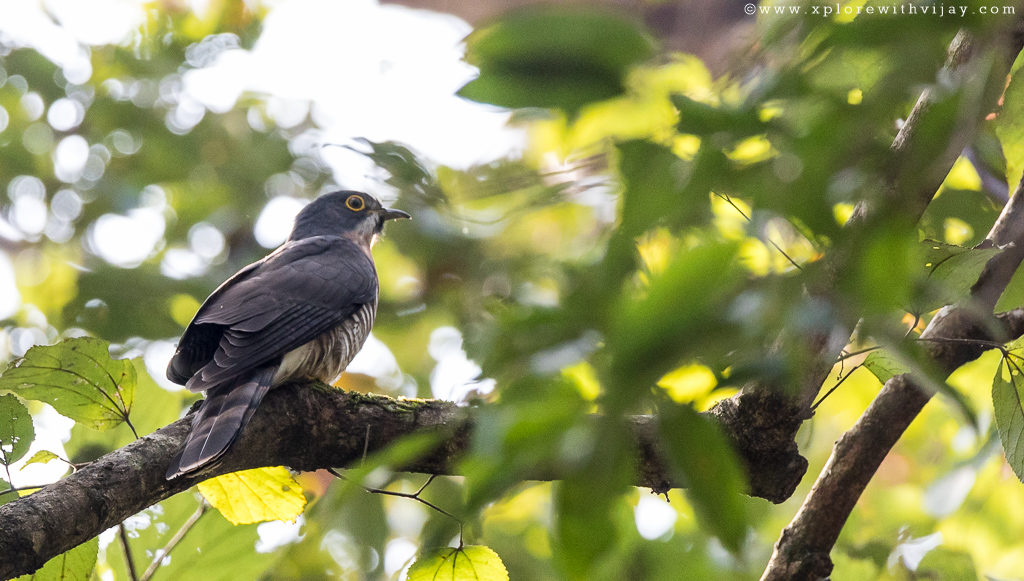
{"type": "Point", "coordinates": [802, 551]}
{"type": "Point", "coordinates": [312, 426]}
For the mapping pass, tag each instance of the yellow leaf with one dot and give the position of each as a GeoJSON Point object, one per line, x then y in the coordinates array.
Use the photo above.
{"type": "Point", "coordinates": [256, 495]}
{"type": "Point", "coordinates": [469, 563]}
{"type": "Point", "coordinates": [751, 150]}
{"type": "Point", "coordinates": [689, 382]}
{"type": "Point", "coordinates": [585, 378]}
{"type": "Point", "coordinates": [656, 249]}
{"type": "Point", "coordinates": [42, 457]}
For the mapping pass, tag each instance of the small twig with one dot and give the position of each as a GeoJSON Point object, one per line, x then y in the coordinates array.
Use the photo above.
{"type": "Point", "coordinates": [14, 489]}
{"type": "Point", "coordinates": [848, 354]}
{"type": "Point", "coordinates": [965, 341]}
{"type": "Point", "coordinates": [128, 559]}
{"type": "Point", "coordinates": [980, 342]}
{"type": "Point", "coordinates": [748, 219]}
{"type": "Point", "coordinates": [815, 405]}
{"type": "Point", "coordinates": [410, 495]}
{"type": "Point", "coordinates": [366, 443]}
{"type": "Point", "coordinates": [131, 426]}
{"type": "Point", "coordinates": [166, 550]}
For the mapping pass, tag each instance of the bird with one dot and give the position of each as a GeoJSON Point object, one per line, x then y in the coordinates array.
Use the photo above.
{"type": "Point", "coordinates": [302, 312]}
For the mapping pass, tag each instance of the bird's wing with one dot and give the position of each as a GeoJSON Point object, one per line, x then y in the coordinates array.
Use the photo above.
{"type": "Point", "coordinates": [303, 289]}
{"type": "Point", "coordinates": [199, 342]}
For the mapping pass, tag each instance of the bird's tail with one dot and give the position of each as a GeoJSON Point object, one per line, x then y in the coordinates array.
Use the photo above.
{"type": "Point", "coordinates": [220, 419]}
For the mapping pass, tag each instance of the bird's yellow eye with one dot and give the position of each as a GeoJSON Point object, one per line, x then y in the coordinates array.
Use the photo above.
{"type": "Point", "coordinates": [355, 203]}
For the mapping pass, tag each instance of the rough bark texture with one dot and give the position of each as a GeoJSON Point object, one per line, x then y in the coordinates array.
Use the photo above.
{"type": "Point", "coordinates": [762, 426]}
{"type": "Point", "coordinates": [308, 427]}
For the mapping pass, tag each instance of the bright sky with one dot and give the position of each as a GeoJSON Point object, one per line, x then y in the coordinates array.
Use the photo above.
{"type": "Point", "coordinates": [363, 69]}
{"type": "Point", "coordinates": [358, 68]}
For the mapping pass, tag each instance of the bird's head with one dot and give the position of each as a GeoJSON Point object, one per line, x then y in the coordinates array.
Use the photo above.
{"type": "Point", "coordinates": [344, 213]}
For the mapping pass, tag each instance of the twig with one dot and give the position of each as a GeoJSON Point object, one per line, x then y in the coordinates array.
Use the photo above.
{"type": "Point", "coordinates": [128, 559]}
{"type": "Point", "coordinates": [815, 405]}
{"type": "Point", "coordinates": [849, 354]}
{"type": "Point", "coordinates": [965, 341]}
{"type": "Point", "coordinates": [15, 489]}
{"type": "Point", "coordinates": [178, 536]}
{"type": "Point", "coordinates": [768, 238]}
{"type": "Point", "coordinates": [410, 495]}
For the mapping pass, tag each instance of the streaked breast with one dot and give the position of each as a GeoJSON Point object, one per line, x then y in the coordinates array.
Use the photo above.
{"type": "Point", "coordinates": [328, 355]}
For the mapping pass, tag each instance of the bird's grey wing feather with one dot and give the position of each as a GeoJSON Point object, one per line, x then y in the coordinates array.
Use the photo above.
{"type": "Point", "coordinates": [199, 342]}
{"type": "Point", "coordinates": [288, 300]}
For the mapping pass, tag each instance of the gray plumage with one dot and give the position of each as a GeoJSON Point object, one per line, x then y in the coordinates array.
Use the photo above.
{"type": "Point", "coordinates": [303, 312]}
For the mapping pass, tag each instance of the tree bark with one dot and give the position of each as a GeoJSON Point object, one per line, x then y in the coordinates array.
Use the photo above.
{"type": "Point", "coordinates": [313, 426]}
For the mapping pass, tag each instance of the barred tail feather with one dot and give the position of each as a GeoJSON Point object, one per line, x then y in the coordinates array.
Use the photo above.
{"type": "Point", "coordinates": [221, 417]}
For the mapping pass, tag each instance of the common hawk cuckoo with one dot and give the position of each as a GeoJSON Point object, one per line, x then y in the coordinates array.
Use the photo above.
{"type": "Point", "coordinates": [300, 313]}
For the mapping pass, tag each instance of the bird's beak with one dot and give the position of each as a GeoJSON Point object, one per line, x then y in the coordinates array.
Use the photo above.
{"type": "Point", "coordinates": [394, 214]}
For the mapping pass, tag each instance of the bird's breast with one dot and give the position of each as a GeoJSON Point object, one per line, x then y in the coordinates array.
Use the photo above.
{"type": "Point", "coordinates": [327, 356]}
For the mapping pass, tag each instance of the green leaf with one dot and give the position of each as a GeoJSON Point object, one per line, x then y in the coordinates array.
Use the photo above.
{"type": "Point", "coordinates": [884, 365]}
{"type": "Point", "coordinates": [974, 208]}
{"type": "Point", "coordinates": [706, 461]}
{"type": "Point", "coordinates": [42, 457]}
{"type": "Point", "coordinates": [1009, 412]}
{"type": "Point", "coordinates": [523, 432]}
{"type": "Point", "coordinates": [16, 432]}
{"type": "Point", "coordinates": [6, 494]}
{"type": "Point", "coordinates": [553, 57]}
{"type": "Point", "coordinates": [1009, 125]}
{"type": "Point", "coordinates": [78, 378]}
{"type": "Point", "coordinates": [655, 184]}
{"type": "Point", "coordinates": [1013, 294]}
{"type": "Point", "coordinates": [650, 334]}
{"type": "Point", "coordinates": [952, 271]}
{"type": "Point", "coordinates": [468, 563]}
{"type": "Point", "coordinates": [74, 565]}
{"type": "Point", "coordinates": [700, 118]}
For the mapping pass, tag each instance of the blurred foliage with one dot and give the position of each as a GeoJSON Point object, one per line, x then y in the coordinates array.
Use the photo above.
{"type": "Point", "coordinates": [658, 243]}
{"type": "Point", "coordinates": [595, 50]}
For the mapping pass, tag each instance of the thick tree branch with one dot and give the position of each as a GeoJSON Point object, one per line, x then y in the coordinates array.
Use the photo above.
{"type": "Point", "coordinates": [803, 550]}
{"type": "Point", "coordinates": [308, 427]}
